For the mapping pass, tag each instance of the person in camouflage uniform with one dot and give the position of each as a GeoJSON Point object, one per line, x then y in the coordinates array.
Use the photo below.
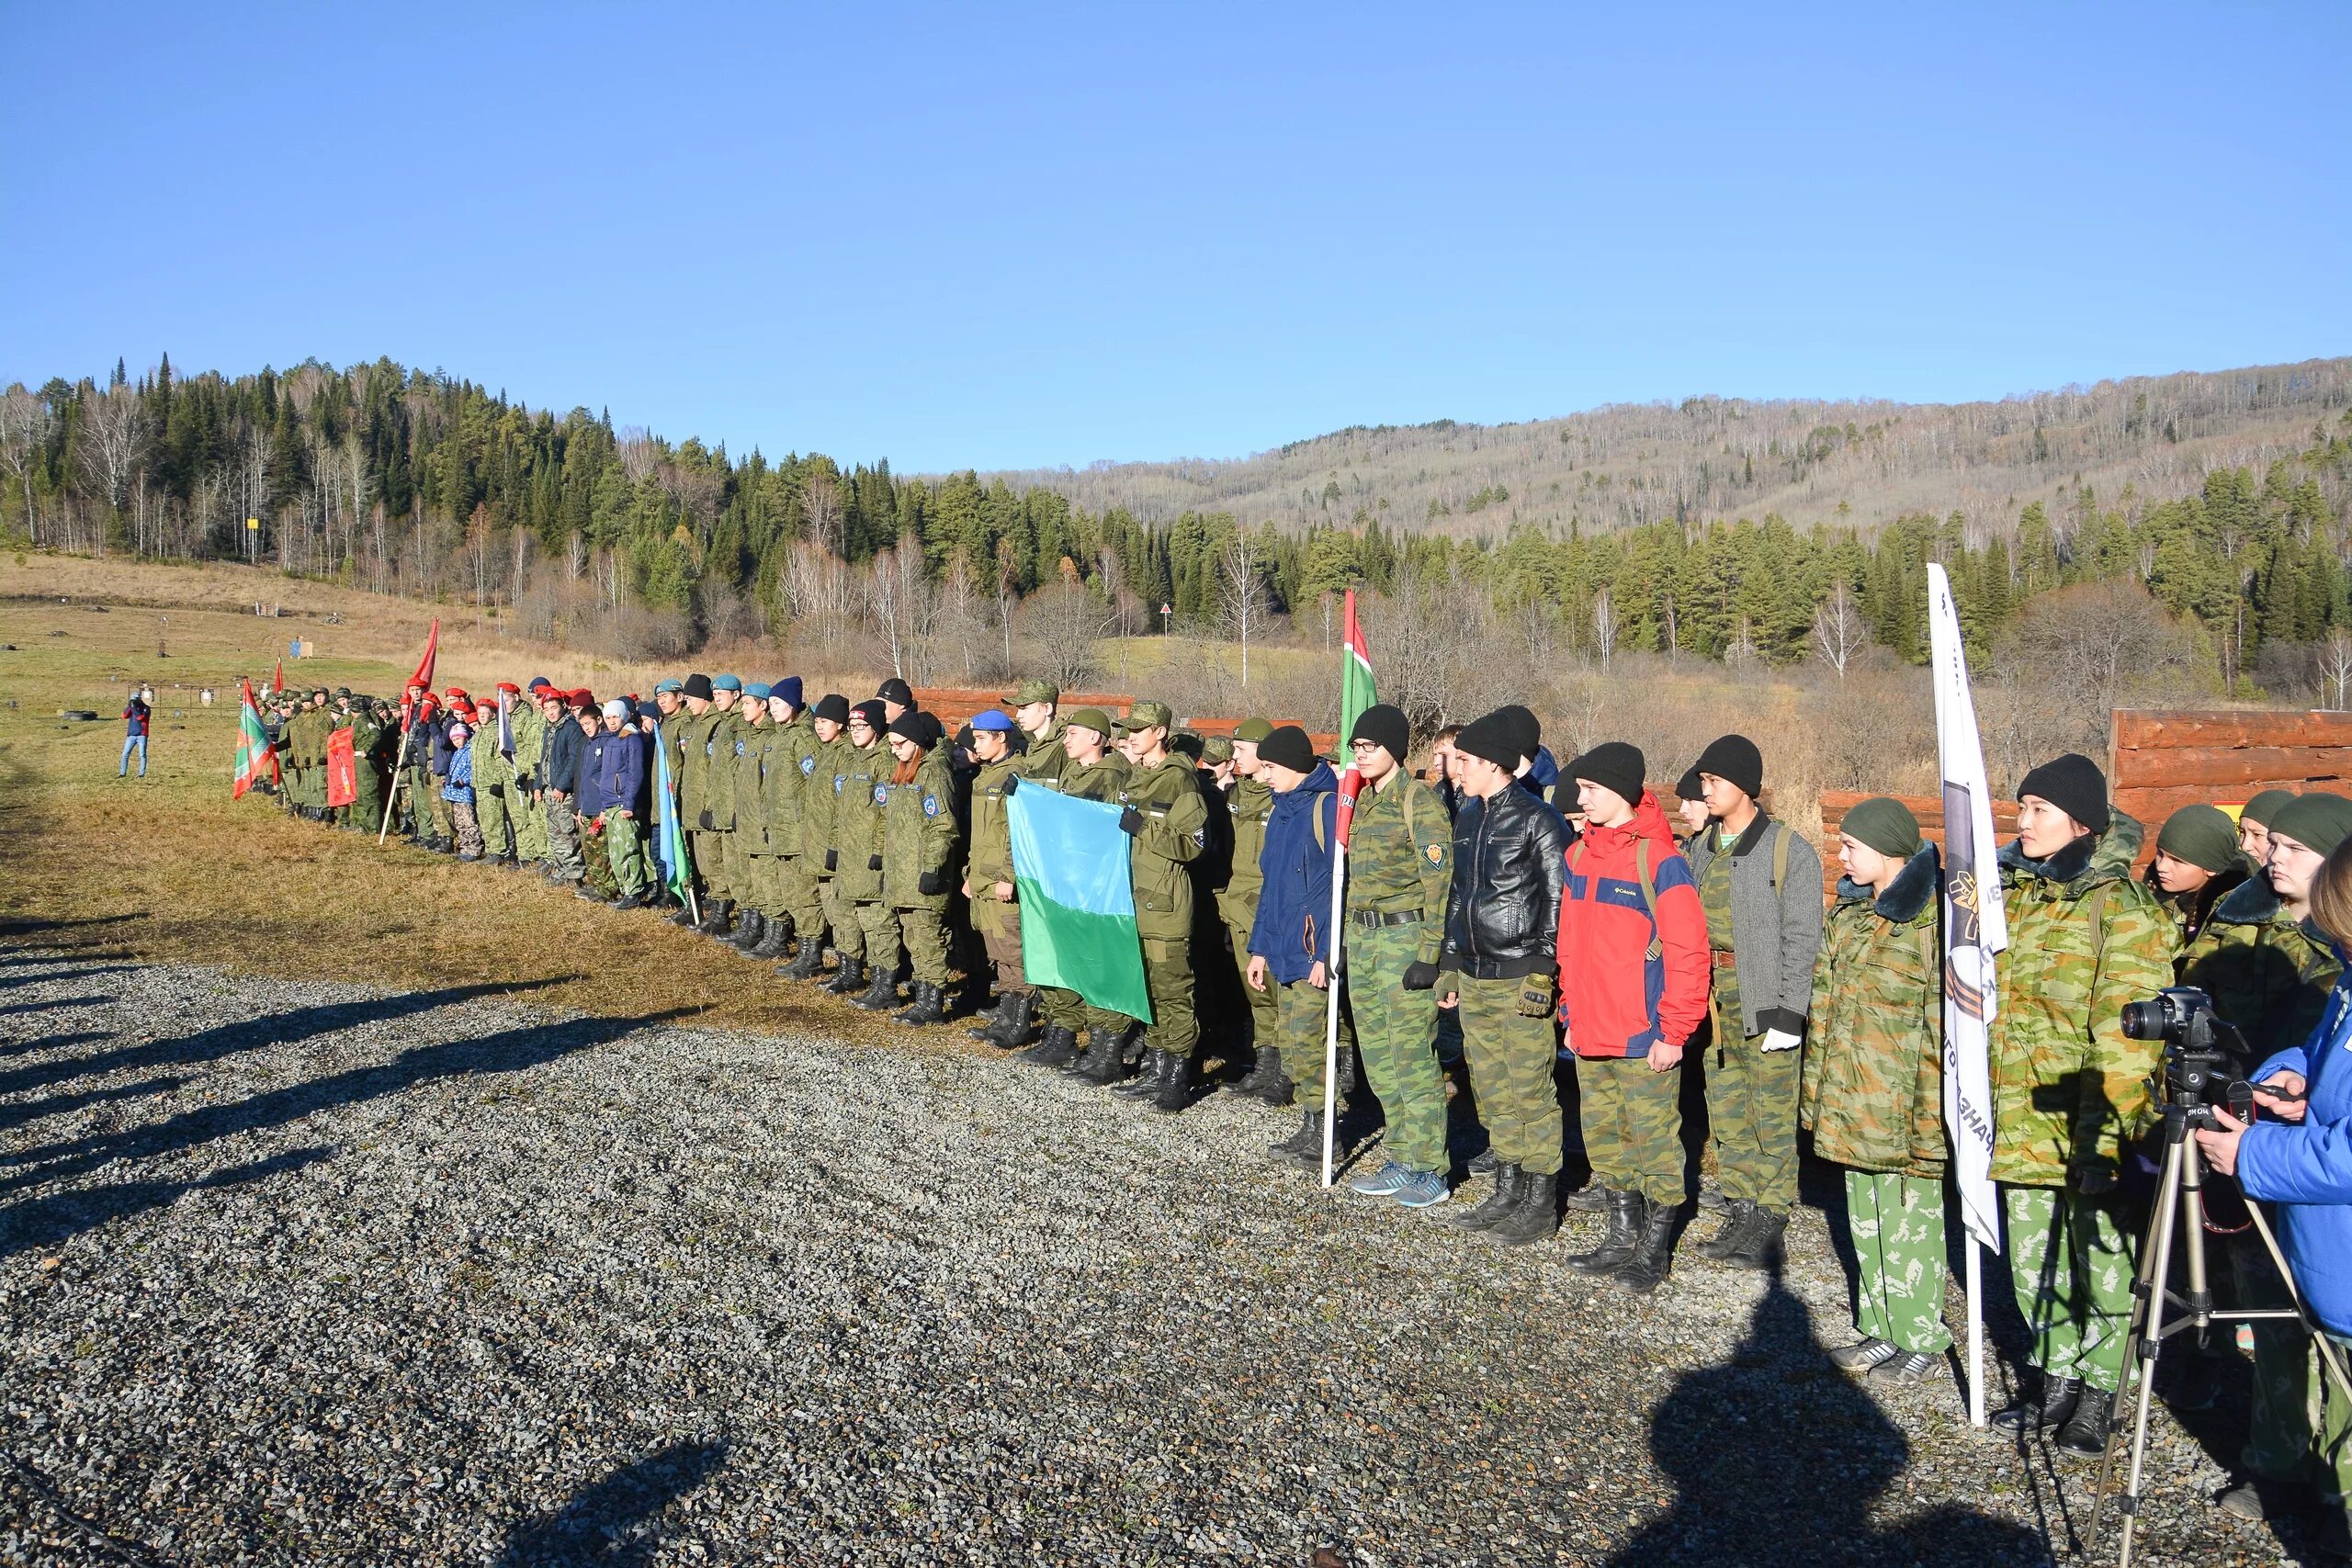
{"type": "Point", "coordinates": [307, 752]}
{"type": "Point", "coordinates": [829, 748]}
{"type": "Point", "coordinates": [1400, 867]}
{"type": "Point", "coordinates": [370, 731]}
{"type": "Point", "coordinates": [715, 847]}
{"type": "Point", "coordinates": [2070, 1089]}
{"type": "Point", "coordinates": [2197, 864]}
{"type": "Point", "coordinates": [530, 773]}
{"type": "Point", "coordinates": [793, 769]}
{"type": "Point", "coordinates": [693, 773]}
{"type": "Point", "coordinates": [2269, 970]}
{"type": "Point", "coordinates": [495, 780]}
{"type": "Point", "coordinates": [559, 776]}
{"type": "Point", "coordinates": [1873, 1087]}
{"type": "Point", "coordinates": [752, 861]}
{"type": "Point", "coordinates": [1248, 804]}
{"type": "Point", "coordinates": [671, 717]}
{"type": "Point", "coordinates": [921, 857]}
{"type": "Point", "coordinates": [1167, 820]}
{"type": "Point", "coordinates": [866, 930]}
{"type": "Point", "coordinates": [990, 887]}
{"type": "Point", "coordinates": [1089, 770]}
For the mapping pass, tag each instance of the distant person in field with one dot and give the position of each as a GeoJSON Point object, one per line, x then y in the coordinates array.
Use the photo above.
{"type": "Point", "coordinates": [138, 715]}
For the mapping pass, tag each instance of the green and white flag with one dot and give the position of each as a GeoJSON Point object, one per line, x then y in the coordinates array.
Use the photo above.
{"type": "Point", "coordinates": [1078, 907]}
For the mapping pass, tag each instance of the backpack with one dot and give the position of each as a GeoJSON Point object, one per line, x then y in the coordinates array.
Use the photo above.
{"type": "Point", "coordinates": [1657, 949]}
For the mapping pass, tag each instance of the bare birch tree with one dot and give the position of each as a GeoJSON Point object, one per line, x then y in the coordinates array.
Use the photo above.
{"type": "Point", "coordinates": [1838, 632]}
{"type": "Point", "coordinates": [2336, 669]}
{"type": "Point", "coordinates": [1243, 606]}
{"type": "Point", "coordinates": [1604, 628]}
{"type": "Point", "coordinates": [25, 423]}
{"type": "Point", "coordinates": [113, 430]}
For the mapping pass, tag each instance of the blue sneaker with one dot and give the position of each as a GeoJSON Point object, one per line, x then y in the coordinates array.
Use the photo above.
{"type": "Point", "coordinates": [1423, 1189]}
{"type": "Point", "coordinates": [1382, 1183]}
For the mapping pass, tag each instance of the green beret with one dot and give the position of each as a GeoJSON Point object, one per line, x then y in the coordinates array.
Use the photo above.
{"type": "Point", "coordinates": [1884, 824]}
{"type": "Point", "coordinates": [2318, 822]}
{"type": "Point", "coordinates": [1094, 719]}
{"type": "Point", "coordinates": [2203, 835]}
{"type": "Point", "coordinates": [2264, 806]}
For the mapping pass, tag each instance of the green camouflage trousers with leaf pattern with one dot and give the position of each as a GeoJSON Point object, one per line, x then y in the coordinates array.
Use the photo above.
{"type": "Point", "coordinates": [1897, 1223]}
{"type": "Point", "coordinates": [2071, 1267]}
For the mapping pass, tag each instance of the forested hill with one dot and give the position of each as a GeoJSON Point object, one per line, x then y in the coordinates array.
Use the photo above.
{"type": "Point", "coordinates": [1836, 463]}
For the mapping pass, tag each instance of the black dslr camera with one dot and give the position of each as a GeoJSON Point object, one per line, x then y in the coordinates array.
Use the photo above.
{"type": "Point", "coordinates": [2204, 1054]}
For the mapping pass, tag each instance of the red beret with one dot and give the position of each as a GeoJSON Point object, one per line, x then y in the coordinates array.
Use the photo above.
{"type": "Point", "coordinates": [509, 688]}
{"type": "Point", "coordinates": [582, 698]}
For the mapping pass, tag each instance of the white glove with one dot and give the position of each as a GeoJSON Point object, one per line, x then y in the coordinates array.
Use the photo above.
{"type": "Point", "coordinates": [1780, 1040]}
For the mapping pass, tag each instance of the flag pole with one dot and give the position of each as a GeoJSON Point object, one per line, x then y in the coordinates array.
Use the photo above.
{"type": "Point", "coordinates": [1332, 1002]}
{"type": "Point", "coordinates": [393, 795]}
{"type": "Point", "coordinates": [1975, 1332]}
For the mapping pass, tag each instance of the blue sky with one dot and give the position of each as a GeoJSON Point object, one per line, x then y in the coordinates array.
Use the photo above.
{"type": "Point", "coordinates": [962, 236]}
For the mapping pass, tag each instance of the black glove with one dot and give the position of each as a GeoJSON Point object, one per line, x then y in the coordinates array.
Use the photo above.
{"type": "Point", "coordinates": [1419, 977]}
{"type": "Point", "coordinates": [932, 883]}
{"type": "Point", "coordinates": [832, 859]}
{"type": "Point", "coordinates": [873, 862]}
{"type": "Point", "coordinates": [1131, 822]}
{"type": "Point", "coordinates": [704, 822]}
{"type": "Point", "coordinates": [1011, 782]}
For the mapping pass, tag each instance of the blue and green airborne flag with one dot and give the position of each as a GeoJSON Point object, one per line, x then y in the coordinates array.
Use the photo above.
{"type": "Point", "coordinates": [1077, 908]}
{"type": "Point", "coordinates": [669, 844]}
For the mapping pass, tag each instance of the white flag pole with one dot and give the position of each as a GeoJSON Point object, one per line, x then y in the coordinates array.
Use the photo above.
{"type": "Point", "coordinates": [393, 795]}
{"type": "Point", "coordinates": [1331, 998]}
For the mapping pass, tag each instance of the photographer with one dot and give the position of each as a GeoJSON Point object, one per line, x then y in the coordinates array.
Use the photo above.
{"type": "Point", "coordinates": [2299, 1156]}
{"type": "Point", "coordinates": [2070, 1089]}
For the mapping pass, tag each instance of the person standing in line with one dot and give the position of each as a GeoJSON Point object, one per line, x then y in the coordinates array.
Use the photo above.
{"type": "Point", "coordinates": [922, 858]}
{"type": "Point", "coordinates": [1167, 820]}
{"type": "Point", "coordinates": [1089, 770]}
{"type": "Point", "coordinates": [1761, 886]}
{"type": "Point", "coordinates": [1874, 1084]}
{"type": "Point", "coordinates": [829, 730]}
{"type": "Point", "coordinates": [1248, 803]}
{"type": "Point", "coordinates": [2197, 864]}
{"type": "Point", "coordinates": [859, 794]}
{"type": "Point", "coordinates": [989, 883]}
{"type": "Point", "coordinates": [613, 786]}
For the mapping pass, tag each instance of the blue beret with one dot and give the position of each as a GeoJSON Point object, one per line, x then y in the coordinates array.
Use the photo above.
{"type": "Point", "coordinates": [726, 683]}
{"type": "Point", "coordinates": [757, 689]}
{"type": "Point", "coordinates": [669, 686]}
{"type": "Point", "coordinates": [994, 718]}
{"type": "Point", "coordinates": [788, 689]}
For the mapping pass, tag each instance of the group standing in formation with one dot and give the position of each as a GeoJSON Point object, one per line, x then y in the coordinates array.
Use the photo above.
{"type": "Point", "coordinates": [1545, 932]}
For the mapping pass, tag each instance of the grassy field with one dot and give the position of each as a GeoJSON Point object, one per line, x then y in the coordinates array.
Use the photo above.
{"type": "Point", "coordinates": [172, 869]}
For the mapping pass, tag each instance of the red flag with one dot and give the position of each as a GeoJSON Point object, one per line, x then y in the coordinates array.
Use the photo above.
{"type": "Point", "coordinates": [277, 677]}
{"type": "Point", "coordinates": [342, 769]}
{"type": "Point", "coordinates": [257, 759]}
{"type": "Point", "coordinates": [424, 676]}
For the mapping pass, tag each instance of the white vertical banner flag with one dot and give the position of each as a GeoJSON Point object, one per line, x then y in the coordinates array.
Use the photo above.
{"type": "Point", "coordinates": [1975, 929]}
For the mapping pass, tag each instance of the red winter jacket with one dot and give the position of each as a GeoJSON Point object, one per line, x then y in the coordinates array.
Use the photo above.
{"type": "Point", "coordinates": [1629, 978]}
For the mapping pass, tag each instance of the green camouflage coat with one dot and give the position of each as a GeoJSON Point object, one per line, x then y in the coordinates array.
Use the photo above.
{"type": "Point", "coordinates": [1874, 1090]}
{"type": "Point", "coordinates": [858, 795]}
{"type": "Point", "coordinates": [694, 763]}
{"type": "Point", "coordinates": [992, 854]}
{"type": "Point", "coordinates": [791, 763]}
{"type": "Point", "coordinates": [2268, 973]}
{"type": "Point", "coordinates": [1250, 803]}
{"type": "Point", "coordinates": [827, 757]}
{"type": "Point", "coordinates": [724, 752]}
{"type": "Point", "coordinates": [2069, 1088]}
{"type": "Point", "coordinates": [1044, 759]}
{"type": "Point", "coordinates": [1401, 858]}
{"type": "Point", "coordinates": [919, 834]}
{"type": "Point", "coordinates": [1175, 834]}
{"type": "Point", "coordinates": [754, 749]}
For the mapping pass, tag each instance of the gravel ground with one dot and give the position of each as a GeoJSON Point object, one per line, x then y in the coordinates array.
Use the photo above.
{"type": "Point", "coordinates": [303, 1273]}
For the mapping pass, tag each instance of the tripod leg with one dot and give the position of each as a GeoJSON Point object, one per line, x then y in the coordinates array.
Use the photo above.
{"type": "Point", "coordinates": [2143, 1338]}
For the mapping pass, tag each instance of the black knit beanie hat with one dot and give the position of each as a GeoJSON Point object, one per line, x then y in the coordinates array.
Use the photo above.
{"type": "Point", "coordinates": [1288, 746]}
{"type": "Point", "coordinates": [2074, 786]}
{"type": "Point", "coordinates": [1384, 726]}
{"type": "Point", "coordinates": [1735, 761]}
{"type": "Point", "coordinates": [1615, 766]}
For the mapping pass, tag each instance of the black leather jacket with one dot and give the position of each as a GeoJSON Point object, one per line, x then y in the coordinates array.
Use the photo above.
{"type": "Point", "coordinates": [1502, 915]}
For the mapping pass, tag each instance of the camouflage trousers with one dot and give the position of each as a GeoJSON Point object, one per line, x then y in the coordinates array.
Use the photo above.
{"type": "Point", "coordinates": [428, 814]}
{"type": "Point", "coordinates": [2070, 1265]}
{"type": "Point", "coordinates": [2286, 1374]}
{"type": "Point", "coordinates": [2334, 1450]}
{"type": "Point", "coordinates": [1897, 1223]}
{"type": "Point", "coordinates": [757, 882]}
{"type": "Point", "coordinates": [1752, 1113]}
{"type": "Point", "coordinates": [799, 898]}
{"type": "Point", "coordinates": [467, 826]}
{"type": "Point", "coordinates": [709, 848]}
{"type": "Point", "coordinates": [493, 810]}
{"type": "Point", "coordinates": [1302, 1020]}
{"type": "Point", "coordinates": [1632, 1120]}
{"type": "Point", "coordinates": [625, 854]}
{"type": "Point", "coordinates": [1168, 979]}
{"type": "Point", "coordinates": [563, 839]}
{"type": "Point", "coordinates": [1265, 1008]}
{"type": "Point", "coordinates": [530, 826]}
{"type": "Point", "coordinates": [878, 924]}
{"type": "Point", "coordinates": [924, 932]}
{"type": "Point", "coordinates": [1397, 1043]}
{"type": "Point", "coordinates": [1510, 1062]}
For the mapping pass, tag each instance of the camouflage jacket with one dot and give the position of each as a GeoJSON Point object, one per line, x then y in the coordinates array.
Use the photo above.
{"type": "Point", "coordinates": [858, 794]}
{"type": "Point", "coordinates": [1874, 1058]}
{"type": "Point", "coordinates": [1250, 803]}
{"type": "Point", "coordinates": [791, 763]}
{"type": "Point", "coordinates": [530, 744]}
{"type": "Point", "coordinates": [754, 748]}
{"type": "Point", "coordinates": [2268, 973]}
{"type": "Point", "coordinates": [1175, 834]}
{"type": "Point", "coordinates": [1400, 856]}
{"type": "Point", "coordinates": [919, 834]}
{"type": "Point", "coordinates": [990, 861]}
{"type": "Point", "coordinates": [1044, 759]}
{"type": "Point", "coordinates": [2069, 1088]}
{"type": "Point", "coordinates": [693, 736]}
{"type": "Point", "coordinates": [723, 751]}
{"type": "Point", "coordinates": [817, 800]}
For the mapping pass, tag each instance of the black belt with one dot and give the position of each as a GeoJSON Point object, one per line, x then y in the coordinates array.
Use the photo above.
{"type": "Point", "coordinates": [1373, 919]}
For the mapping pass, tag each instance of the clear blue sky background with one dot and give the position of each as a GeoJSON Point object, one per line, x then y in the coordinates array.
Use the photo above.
{"type": "Point", "coordinates": [958, 235]}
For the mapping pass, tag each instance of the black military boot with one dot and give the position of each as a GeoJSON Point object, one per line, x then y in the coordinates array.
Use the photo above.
{"type": "Point", "coordinates": [510, 861]}
{"type": "Point", "coordinates": [1739, 1218]}
{"type": "Point", "coordinates": [1536, 1215]}
{"type": "Point", "coordinates": [684, 915]}
{"type": "Point", "coordinates": [989, 1021]}
{"type": "Point", "coordinates": [747, 930]}
{"type": "Point", "coordinates": [848, 978]}
{"type": "Point", "coordinates": [1759, 1247]}
{"type": "Point", "coordinates": [1309, 1136]}
{"type": "Point", "coordinates": [2050, 1405]}
{"type": "Point", "coordinates": [1626, 1213]}
{"type": "Point", "coordinates": [1509, 1182]}
{"type": "Point", "coordinates": [713, 918]}
{"type": "Point", "coordinates": [1173, 1088]}
{"type": "Point", "coordinates": [881, 996]}
{"type": "Point", "coordinates": [807, 964]}
{"type": "Point", "coordinates": [772, 941]}
{"type": "Point", "coordinates": [930, 1007]}
{"type": "Point", "coordinates": [1653, 1257]}
{"type": "Point", "coordinates": [1014, 1015]}
{"type": "Point", "coordinates": [1593, 1198]}
{"type": "Point", "coordinates": [1276, 1089]}
{"type": "Point", "coordinates": [1102, 1063]}
{"type": "Point", "coordinates": [2084, 1433]}
{"type": "Point", "coordinates": [1146, 1079]}
{"type": "Point", "coordinates": [1055, 1048]}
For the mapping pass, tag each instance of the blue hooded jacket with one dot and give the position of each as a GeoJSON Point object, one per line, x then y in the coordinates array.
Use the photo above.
{"type": "Point", "coordinates": [1292, 932]}
{"type": "Point", "coordinates": [2306, 1166]}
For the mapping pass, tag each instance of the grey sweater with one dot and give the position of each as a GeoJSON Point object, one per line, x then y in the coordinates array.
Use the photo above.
{"type": "Point", "coordinates": [1774, 935]}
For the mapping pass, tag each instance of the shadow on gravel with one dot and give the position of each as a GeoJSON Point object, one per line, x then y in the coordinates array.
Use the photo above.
{"type": "Point", "coordinates": [43, 1222]}
{"type": "Point", "coordinates": [30, 1111]}
{"type": "Point", "coordinates": [51, 1042]}
{"type": "Point", "coordinates": [1777, 1457]}
{"type": "Point", "coordinates": [277, 1029]}
{"type": "Point", "coordinates": [614, 1521]}
{"type": "Point", "coordinates": [15, 1008]}
{"type": "Point", "coordinates": [507, 1051]}
{"type": "Point", "coordinates": [68, 972]}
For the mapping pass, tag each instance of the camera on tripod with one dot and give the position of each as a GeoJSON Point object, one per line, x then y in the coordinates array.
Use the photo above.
{"type": "Point", "coordinates": [2204, 1053]}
